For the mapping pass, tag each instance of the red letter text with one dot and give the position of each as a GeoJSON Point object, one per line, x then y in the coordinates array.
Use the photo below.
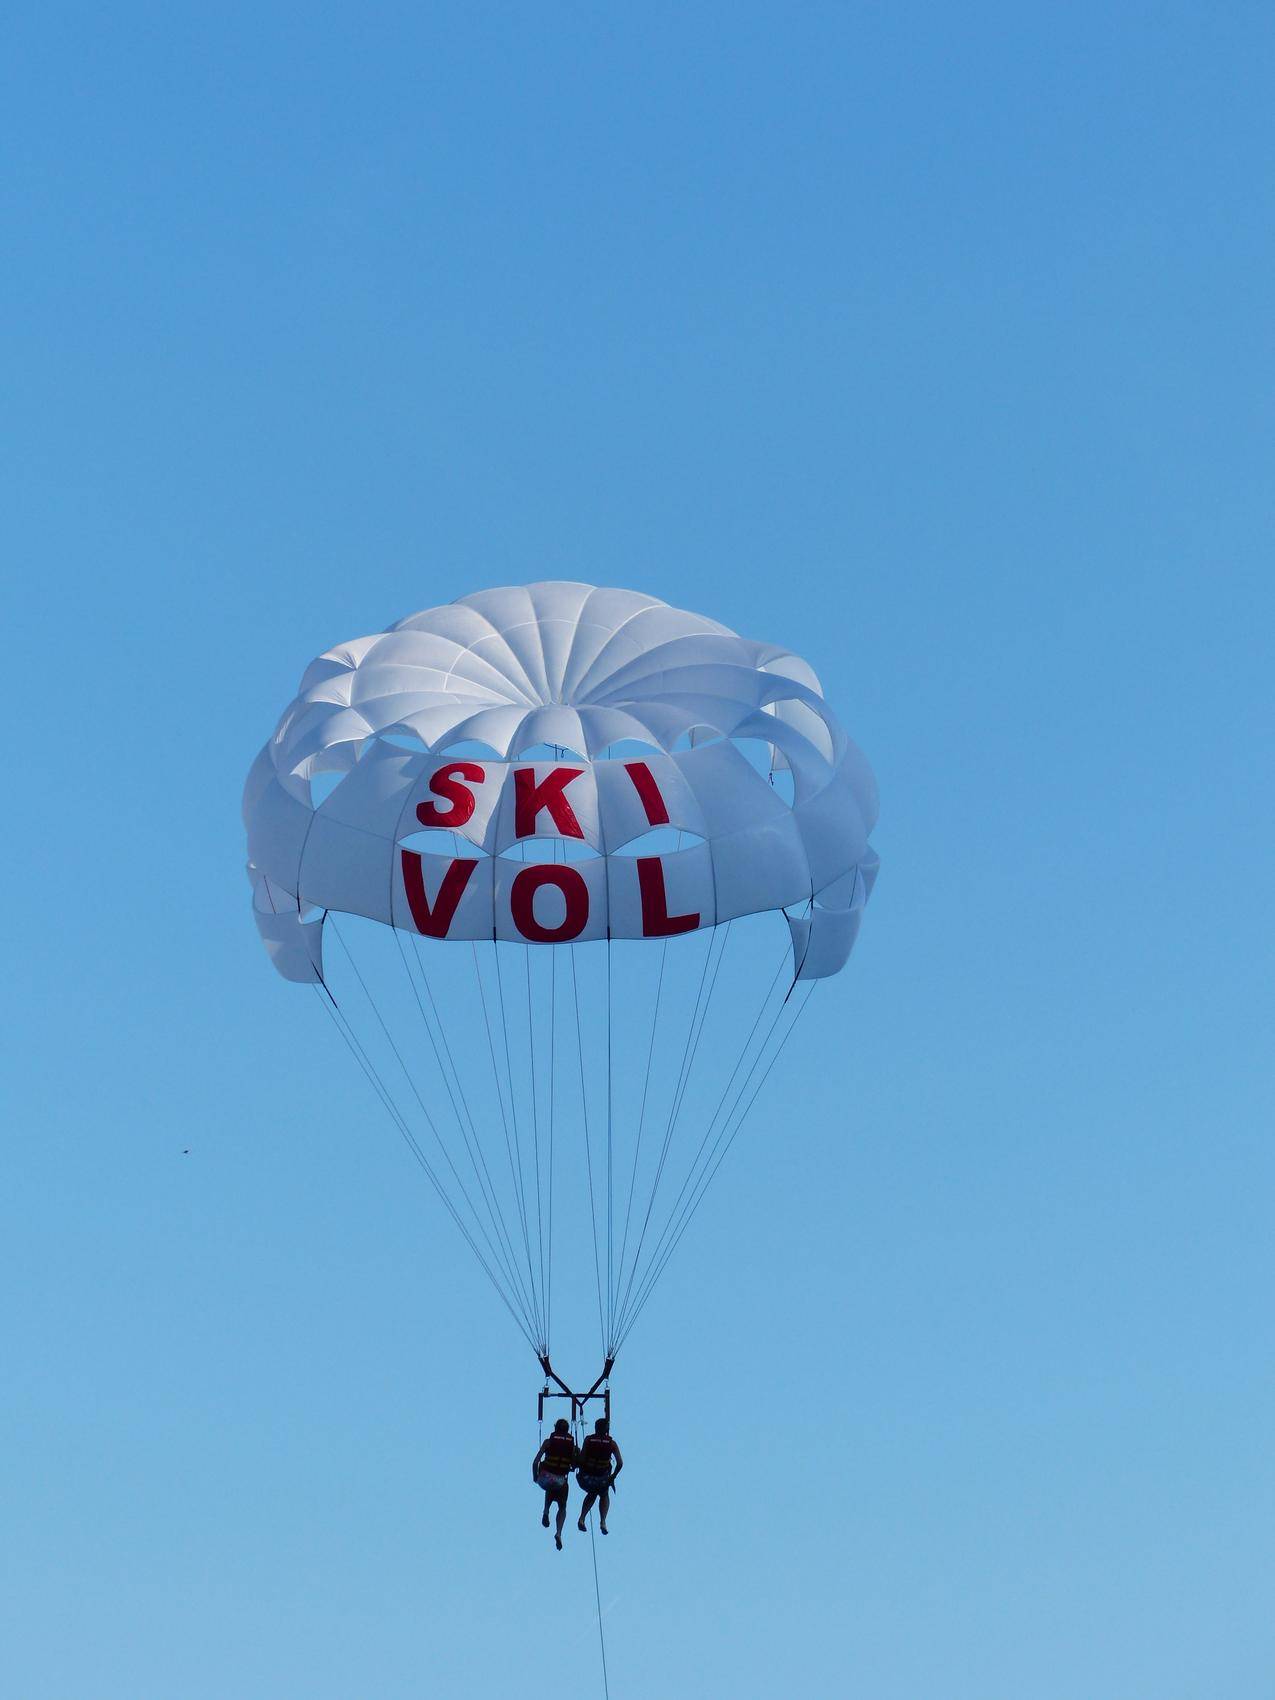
{"type": "Point", "coordinates": [530, 798]}
{"type": "Point", "coordinates": [461, 798]}
{"type": "Point", "coordinates": [434, 922]}
{"type": "Point", "coordinates": [570, 882]}
{"type": "Point", "coordinates": [657, 923]}
{"type": "Point", "coordinates": [648, 792]}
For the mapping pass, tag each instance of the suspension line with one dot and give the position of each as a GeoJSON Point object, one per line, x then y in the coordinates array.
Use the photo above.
{"type": "Point", "coordinates": [416, 1093]}
{"type": "Point", "coordinates": [707, 1178]}
{"type": "Point", "coordinates": [460, 1109]}
{"type": "Point", "coordinates": [377, 1084]}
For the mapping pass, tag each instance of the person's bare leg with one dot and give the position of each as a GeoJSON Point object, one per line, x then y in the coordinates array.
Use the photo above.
{"type": "Point", "coordinates": [585, 1509]}
{"type": "Point", "coordinates": [544, 1521]}
{"type": "Point", "coordinates": [604, 1505]}
{"type": "Point", "coordinates": [562, 1517]}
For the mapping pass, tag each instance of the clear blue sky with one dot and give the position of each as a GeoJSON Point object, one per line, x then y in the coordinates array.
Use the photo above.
{"type": "Point", "coordinates": [933, 340]}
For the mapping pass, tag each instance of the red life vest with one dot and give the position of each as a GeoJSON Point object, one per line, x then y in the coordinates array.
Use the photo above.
{"type": "Point", "coordinates": [559, 1455]}
{"type": "Point", "coordinates": [595, 1455]}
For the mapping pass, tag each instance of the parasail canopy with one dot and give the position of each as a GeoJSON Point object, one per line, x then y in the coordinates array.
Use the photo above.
{"type": "Point", "coordinates": [650, 713]}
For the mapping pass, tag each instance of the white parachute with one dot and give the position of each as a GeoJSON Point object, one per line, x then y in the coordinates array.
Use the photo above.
{"type": "Point", "coordinates": [557, 765]}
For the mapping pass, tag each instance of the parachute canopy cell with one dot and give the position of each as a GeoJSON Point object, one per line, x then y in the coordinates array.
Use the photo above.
{"type": "Point", "coordinates": [623, 731]}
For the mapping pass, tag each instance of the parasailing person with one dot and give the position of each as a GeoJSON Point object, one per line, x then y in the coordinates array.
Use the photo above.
{"type": "Point", "coordinates": [600, 1463]}
{"type": "Point", "coordinates": [551, 1470]}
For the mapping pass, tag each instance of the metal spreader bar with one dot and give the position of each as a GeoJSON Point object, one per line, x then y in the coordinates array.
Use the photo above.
{"type": "Point", "coordinates": [578, 1400]}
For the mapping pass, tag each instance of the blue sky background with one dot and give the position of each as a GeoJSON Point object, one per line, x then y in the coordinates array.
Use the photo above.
{"type": "Point", "coordinates": [931, 340]}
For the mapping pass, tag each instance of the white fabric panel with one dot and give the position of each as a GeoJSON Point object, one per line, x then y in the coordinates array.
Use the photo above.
{"type": "Point", "coordinates": [853, 766]}
{"type": "Point", "coordinates": [713, 663]}
{"type": "Point", "coordinates": [809, 769]}
{"type": "Point", "coordinates": [802, 716]}
{"type": "Point", "coordinates": [557, 636]}
{"type": "Point", "coordinates": [762, 867]}
{"type": "Point", "coordinates": [553, 726]}
{"type": "Point", "coordinates": [458, 622]}
{"type": "Point", "coordinates": [603, 726]}
{"type": "Point", "coordinates": [268, 898]}
{"type": "Point", "coordinates": [346, 656]}
{"type": "Point", "coordinates": [730, 791]}
{"type": "Point", "coordinates": [261, 775]}
{"type": "Point", "coordinates": [327, 672]}
{"type": "Point", "coordinates": [822, 941]}
{"type": "Point", "coordinates": [869, 868]}
{"type": "Point", "coordinates": [348, 860]}
{"type": "Point", "coordinates": [383, 681]}
{"type": "Point", "coordinates": [498, 727]}
{"type": "Point", "coordinates": [346, 869]}
{"type": "Point", "coordinates": [674, 711]}
{"type": "Point", "coordinates": [595, 634]}
{"type": "Point", "coordinates": [295, 948]}
{"type": "Point", "coordinates": [319, 729]}
{"type": "Point", "coordinates": [277, 828]}
{"type": "Point", "coordinates": [375, 792]}
{"type": "Point", "coordinates": [433, 726]}
{"type": "Point", "coordinates": [833, 830]}
{"type": "Point", "coordinates": [843, 892]}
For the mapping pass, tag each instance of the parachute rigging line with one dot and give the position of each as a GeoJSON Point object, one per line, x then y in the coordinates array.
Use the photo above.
{"type": "Point", "coordinates": [554, 849]}
{"type": "Point", "coordinates": [657, 1258]}
{"type": "Point", "coordinates": [610, 1159]}
{"type": "Point", "coordinates": [378, 1085]}
{"type": "Point", "coordinates": [447, 1061]}
{"type": "Point", "coordinates": [694, 1031]}
{"type": "Point", "coordinates": [597, 1595]}
{"type": "Point", "coordinates": [543, 1349]}
{"type": "Point", "coordinates": [646, 1087]}
{"type": "Point", "coordinates": [633, 1276]}
{"type": "Point", "coordinates": [461, 1111]}
{"type": "Point", "coordinates": [708, 1131]}
{"type": "Point", "coordinates": [709, 1174]}
{"type": "Point", "coordinates": [463, 1116]}
{"type": "Point", "coordinates": [411, 1081]}
{"type": "Point", "coordinates": [588, 1154]}
{"type": "Point", "coordinates": [543, 1251]}
{"type": "Point", "coordinates": [577, 1431]}
{"type": "Point", "coordinates": [700, 1176]}
{"type": "Point", "coordinates": [535, 1134]}
{"type": "Point", "coordinates": [706, 1182]}
{"type": "Point", "coordinates": [553, 1025]}
{"type": "Point", "coordinates": [515, 1169]}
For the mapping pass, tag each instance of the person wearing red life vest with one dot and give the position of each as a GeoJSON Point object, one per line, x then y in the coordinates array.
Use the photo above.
{"type": "Point", "coordinates": [551, 1471]}
{"type": "Point", "coordinates": [600, 1463]}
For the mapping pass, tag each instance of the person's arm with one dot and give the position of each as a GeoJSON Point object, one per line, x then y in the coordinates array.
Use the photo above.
{"type": "Point", "coordinates": [535, 1465]}
{"type": "Point", "coordinates": [618, 1458]}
